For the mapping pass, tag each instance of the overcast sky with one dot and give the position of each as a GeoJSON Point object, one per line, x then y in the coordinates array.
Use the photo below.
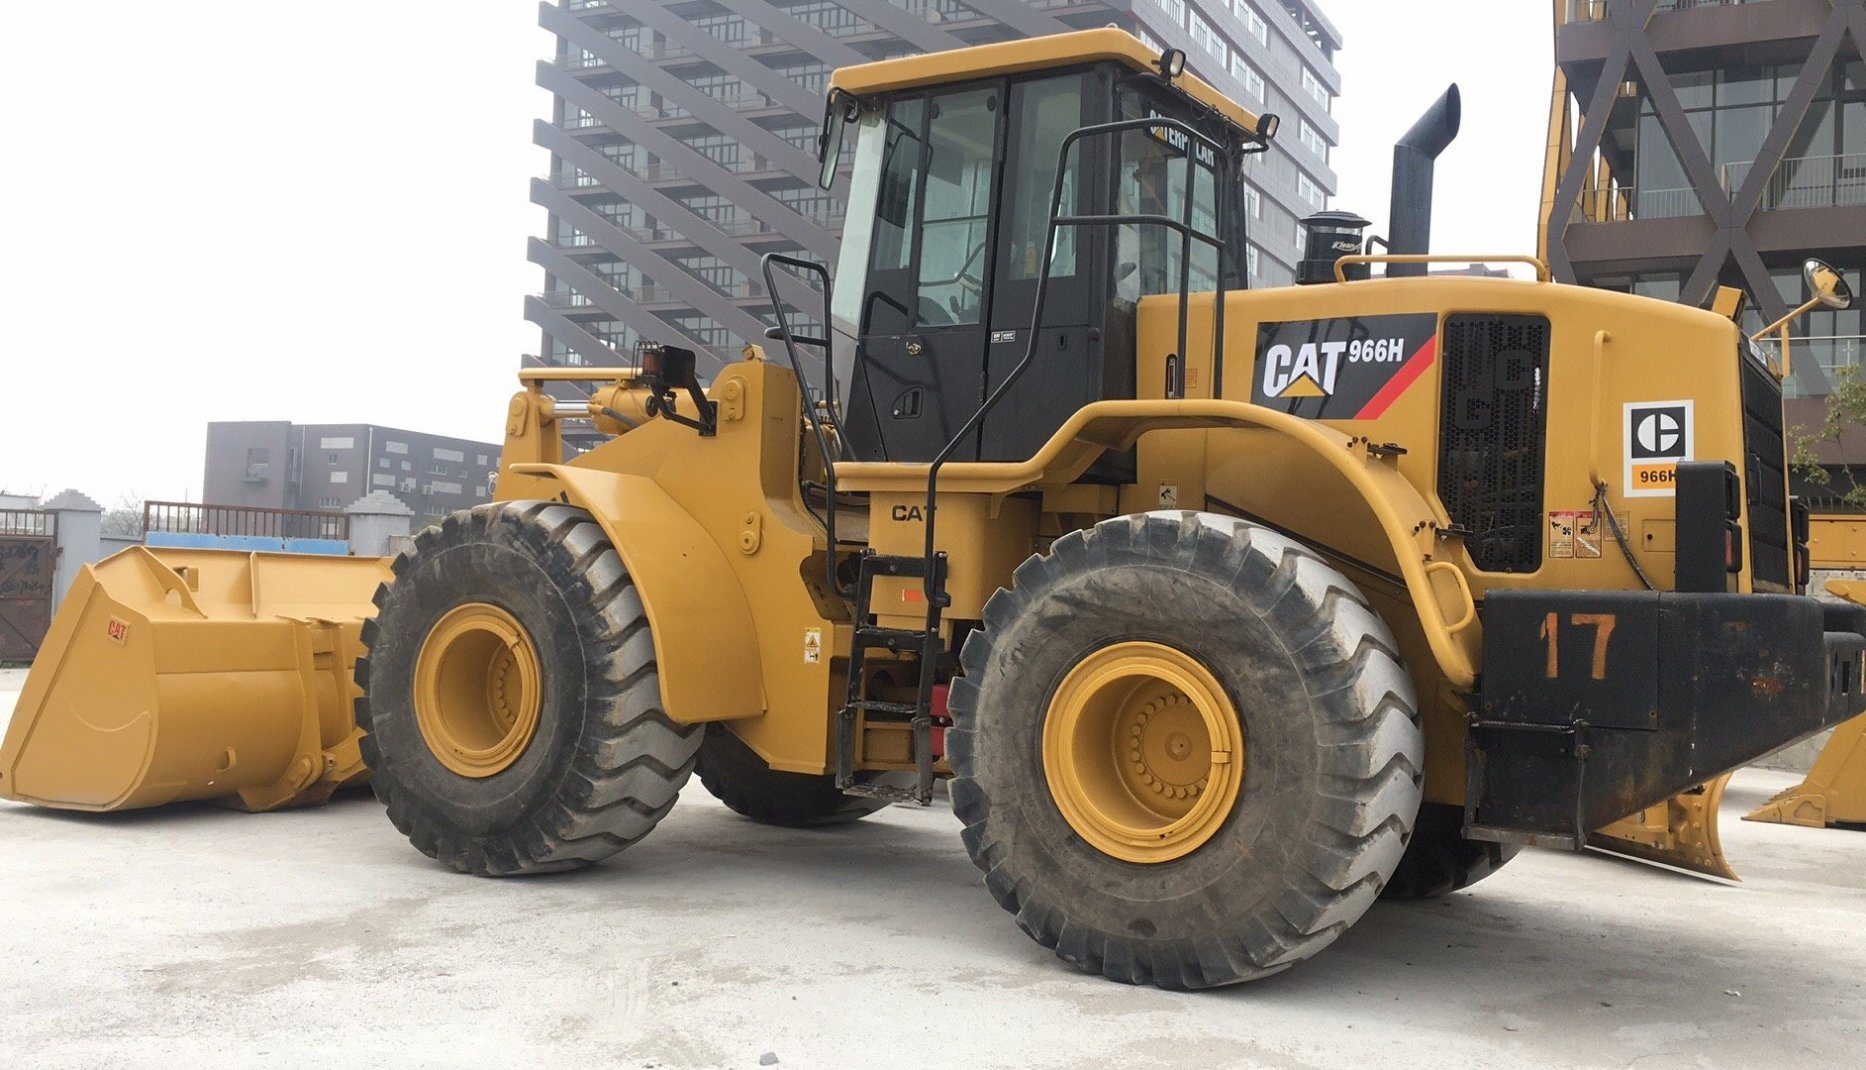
{"type": "Point", "coordinates": [226, 210]}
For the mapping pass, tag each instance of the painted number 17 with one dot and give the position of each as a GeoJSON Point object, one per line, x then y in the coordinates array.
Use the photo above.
{"type": "Point", "coordinates": [1603, 625]}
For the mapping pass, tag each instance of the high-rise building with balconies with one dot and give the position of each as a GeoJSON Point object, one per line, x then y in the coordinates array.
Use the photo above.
{"type": "Point", "coordinates": [1698, 143]}
{"type": "Point", "coordinates": [683, 144]}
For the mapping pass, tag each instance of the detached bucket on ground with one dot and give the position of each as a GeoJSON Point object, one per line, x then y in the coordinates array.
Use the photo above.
{"type": "Point", "coordinates": [177, 674]}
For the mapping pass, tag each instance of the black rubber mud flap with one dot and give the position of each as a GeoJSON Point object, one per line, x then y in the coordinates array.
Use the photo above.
{"type": "Point", "coordinates": [736, 776]}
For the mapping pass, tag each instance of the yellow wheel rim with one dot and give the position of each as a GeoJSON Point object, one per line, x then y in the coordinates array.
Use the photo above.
{"type": "Point", "coordinates": [477, 690]}
{"type": "Point", "coordinates": [1143, 752]}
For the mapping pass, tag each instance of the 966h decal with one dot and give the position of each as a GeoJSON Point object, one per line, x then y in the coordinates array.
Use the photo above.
{"type": "Point", "coordinates": [1350, 368]}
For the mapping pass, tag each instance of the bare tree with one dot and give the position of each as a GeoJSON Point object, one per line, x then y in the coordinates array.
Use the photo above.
{"type": "Point", "coordinates": [125, 519]}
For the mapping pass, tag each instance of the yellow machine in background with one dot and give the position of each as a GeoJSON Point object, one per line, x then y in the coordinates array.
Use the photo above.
{"type": "Point", "coordinates": [1224, 611]}
{"type": "Point", "coordinates": [1834, 792]}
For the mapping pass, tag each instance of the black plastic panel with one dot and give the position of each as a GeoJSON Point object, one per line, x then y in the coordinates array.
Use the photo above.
{"type": "Point", "coordinates": [1765, 476]}
{"type": "Point", "coordinates": [1493, 432]}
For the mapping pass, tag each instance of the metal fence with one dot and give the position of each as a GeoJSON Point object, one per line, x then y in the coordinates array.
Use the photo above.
{"type": "Point", "coordinates": [33, 523]}
{"type": "Point", "coordinates": [1837, 355]}
{"type": "Point", "coordinates": [1596, 10]}
{"type": "Point", "coordinates": [1664, 203]}
{"type": "Point", "coordinates": [1798, 182]}
{"type": "Point", "coordinates": [1818, 182]}
{"type": "Point", "coordinates": [1618, 204]}
{"type": "Point", "coordinates": [188, 518]}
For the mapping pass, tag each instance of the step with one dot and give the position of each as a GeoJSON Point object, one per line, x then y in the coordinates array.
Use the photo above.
{"type": "Point", "coordinates": [895, 639]}
{"type": "Point", "coordinates": [885, 792]}
{"type": "Point", "coordinates": [905, 709]}
{"type": "Point", "coordinates": [890, 565]}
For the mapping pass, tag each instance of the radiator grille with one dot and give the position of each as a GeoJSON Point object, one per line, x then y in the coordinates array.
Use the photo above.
{"type": "Point", "coordinates": [1765, 477]}
{"type": "Point", "coordinates": [1493, 425]}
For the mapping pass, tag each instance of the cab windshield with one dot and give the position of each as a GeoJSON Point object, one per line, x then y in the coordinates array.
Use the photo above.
{"type": "Point", "coordinates": [943, 251]}
{"type": "Point", "coordinates": [926, 164]}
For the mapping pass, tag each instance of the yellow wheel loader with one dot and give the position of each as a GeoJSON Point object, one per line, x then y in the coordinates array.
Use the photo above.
{"type": "Point", "coordinates": [1225, 611]}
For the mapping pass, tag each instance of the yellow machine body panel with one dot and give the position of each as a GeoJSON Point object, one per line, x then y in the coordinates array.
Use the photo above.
{"type": "Point", "coordinates": [697, 606]}
{"type": "Point", "coordinates": [195, 674]}
{"type": "Point", "coordinates": [1609, 354]}
{"type": "Point", "coordinates": [1395, 519]}
{"type": "Point", "coordinates": [1836, 541]}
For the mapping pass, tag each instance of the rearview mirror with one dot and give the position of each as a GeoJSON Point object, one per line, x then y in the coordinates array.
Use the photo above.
{"type": "Point", "coordinates": [841, 109]}
{"type": "Point", "coordinates": [1827, 285]}
{"type": "Point", "coordinates": [1830, 290]}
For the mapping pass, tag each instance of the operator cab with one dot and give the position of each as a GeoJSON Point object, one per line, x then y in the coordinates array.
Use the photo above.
{"type": "Point", "coordinates": [949, 213]}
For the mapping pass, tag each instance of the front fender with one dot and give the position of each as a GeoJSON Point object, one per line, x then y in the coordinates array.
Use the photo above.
{"type": "Point", "coordinates": [705, 645]}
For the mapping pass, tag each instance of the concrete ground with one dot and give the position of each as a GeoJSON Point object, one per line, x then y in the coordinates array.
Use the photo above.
{"type": "Point", "coordinates": [200, 937]}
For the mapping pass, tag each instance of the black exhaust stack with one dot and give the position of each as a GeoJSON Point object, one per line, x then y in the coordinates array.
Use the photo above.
{"type": "Point", "coordinates": [1413, 156]}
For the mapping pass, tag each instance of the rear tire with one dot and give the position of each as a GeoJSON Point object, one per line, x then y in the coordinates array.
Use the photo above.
{"type": "Point", "coordinates": [1331, 751]}
{"type": "Point", "coordinates": [565, 770]}
{"type": "Point", "coordinates": [1439, 860]}
{"type": "Point", "coordinates": [738, 777]}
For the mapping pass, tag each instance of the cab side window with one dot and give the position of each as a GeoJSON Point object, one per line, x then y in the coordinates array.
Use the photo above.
{"type": "Point", "coordinates": [1043, 113]}
{"type": "Point", "coordinates": [898, 200]}
{"type": "Point", "coordinates": [1152, 181]}
{"type": "Point", "coordinates": [956, 223]}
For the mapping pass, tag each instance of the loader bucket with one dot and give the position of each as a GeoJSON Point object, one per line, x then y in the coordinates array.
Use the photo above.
{"type": "Point", "coordinates": [195, 674]}
{"type": "Point", "coordinates": [1834, 792]}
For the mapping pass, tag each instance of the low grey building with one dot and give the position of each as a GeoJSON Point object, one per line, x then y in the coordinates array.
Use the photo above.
{"type": "Point", "coordinates": [683, 140]}
{"type": "Point", "coordinates": [274, 464]}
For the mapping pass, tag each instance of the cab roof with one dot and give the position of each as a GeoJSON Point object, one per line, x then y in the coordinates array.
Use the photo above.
{"type": "Point", "coordinates": [1033, 54]}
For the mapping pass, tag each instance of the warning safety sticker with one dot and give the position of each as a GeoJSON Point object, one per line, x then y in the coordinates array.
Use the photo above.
{"type": "Point", "coordinates": [1579, 534]}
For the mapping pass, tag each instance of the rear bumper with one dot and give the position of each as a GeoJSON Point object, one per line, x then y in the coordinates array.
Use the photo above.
{"type": "Point", "coordinates": [1596, 704]}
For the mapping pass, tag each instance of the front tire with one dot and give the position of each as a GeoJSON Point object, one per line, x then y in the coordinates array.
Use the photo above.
{"type": "Point", "coordinates": [511, 707]}
{"type": "Point", "coordinates": [1106, 849]}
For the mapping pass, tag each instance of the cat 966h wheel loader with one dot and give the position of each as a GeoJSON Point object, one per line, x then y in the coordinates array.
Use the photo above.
{"type": "Point", "coordinates": [1224, 610]}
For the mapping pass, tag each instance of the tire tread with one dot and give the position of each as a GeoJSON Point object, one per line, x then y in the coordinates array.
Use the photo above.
{"type": "Point", "coordinates": [1373, 775]}
{"type": "Point", "coordinates": [631, 759]}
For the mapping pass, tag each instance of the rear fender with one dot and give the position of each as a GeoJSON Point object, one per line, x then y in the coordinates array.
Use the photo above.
{"type": "Point", "coordinates": [1407, 525]}
{"type": "Point", "coordinates": [705, 645]}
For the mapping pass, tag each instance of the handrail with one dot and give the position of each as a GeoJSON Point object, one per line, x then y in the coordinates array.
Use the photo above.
{"type": "Point", "coordinates": [1601, 340]}
{"type": "Point", "coordinates": [811, 414]}
{"type": "Point", "coordinates": [576, 375]}
{"type": "Point", "coordinates": [1464, 589]}
{"type": "Point", "coordinates": [1818, 338]}
{"type": "Point", "coordinates": [1543, 274]}
{"type": "Point", "coordinates": [1221, 172]}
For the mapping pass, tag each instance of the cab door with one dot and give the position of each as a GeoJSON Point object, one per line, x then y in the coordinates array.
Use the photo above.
{"type": "Point", "coordinates": [920, 368]}
{"type": "Point", "coordinates": [1066, 372]}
